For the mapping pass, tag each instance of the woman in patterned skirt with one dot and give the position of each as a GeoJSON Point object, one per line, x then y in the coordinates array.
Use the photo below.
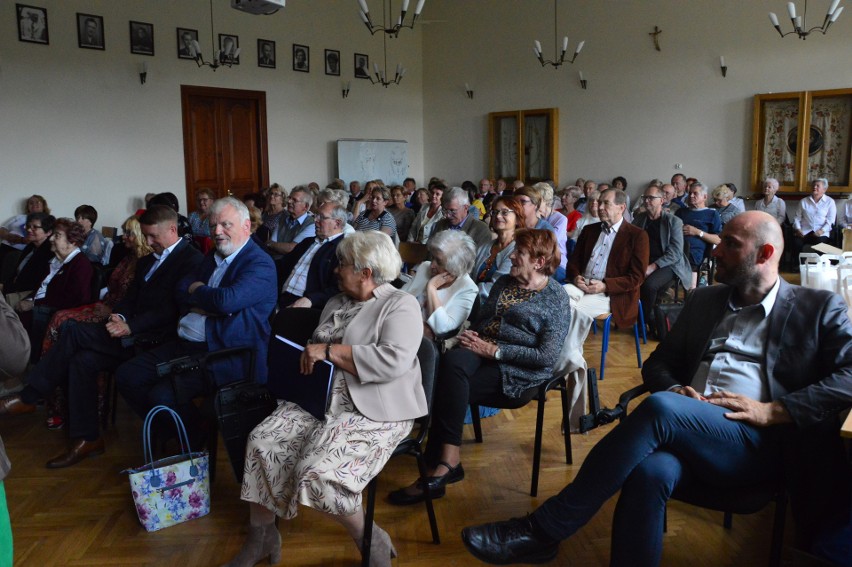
{"type": "Point", "coordinates": [371, 333]}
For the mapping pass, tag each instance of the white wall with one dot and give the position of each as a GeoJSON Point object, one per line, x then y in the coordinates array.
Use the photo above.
{"type": "Point", "coordinates": [77, 126]}
{"type": "Point", "coordinates": [644, 110]}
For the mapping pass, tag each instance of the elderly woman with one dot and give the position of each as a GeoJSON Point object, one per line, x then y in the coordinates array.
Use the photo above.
{"type": "Point", "coordinates": [34, 262]}
{"type": "Point", "coordinates": [559, 222]}
{"type": "Point", "coordinates": [773, 205]}
{"type": "Point", "coordinates": [722, 203]}
{"type": "Point", "coordinates": [509, 351]}
{"type": "Point", "coordinates": [429, 215]}
{"type": "Point", "coordinates": [375, 217]}
{"type": "Point", "coordinates": [13, 233]}
{"type": "Point", "coordinates": [443, 288]}
{"type": "Point", "coordinates": [590, 216]}
{"type": "Point", "coordinates": [493, 261]}
{"type": "Point", "coordinates": [67, 284]}
{"type": "Point", "coordinates": [402, 215]}
{"type": "Point", "coordinates": [95, 245]}
{"type": "Point", "coordinates": [204, 197]}
{"type": "Point", "coordinates": [276, 208]}
{"type": "Point", "coordinates": [419, 199]}
{"type": "Point", "coordinates": [701, 226]}
{"type": "Point", "coordinates": [569, 196]}
{"type": "Point", "coordinates": [371, 333]}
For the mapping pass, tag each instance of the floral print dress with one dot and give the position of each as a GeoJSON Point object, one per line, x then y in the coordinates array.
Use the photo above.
{"type": "Point", "coordinates": [293, 458]}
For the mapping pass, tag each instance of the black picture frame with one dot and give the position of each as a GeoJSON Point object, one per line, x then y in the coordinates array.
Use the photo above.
{"type": "Point", "coordinates": [184, 50]}
{"type": "Point", "coordinates": [141, 38]}
{"type": "Point", "coordinates": [229, 50]}
{"type": "Point", "coordinates": [90, 31]}
{"type": "Point", "coordinates": [32, 24]}
{"type": "Point", "coordinates": [303, 66]}
{"type": "Point", "coordinates": [362, 70]}
{"type": "Point", "coordinates": [263, 59]}
{"type": "Point", "coordinates": [332, 62]}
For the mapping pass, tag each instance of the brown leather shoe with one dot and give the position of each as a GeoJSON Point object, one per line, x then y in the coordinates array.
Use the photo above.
{"type": "Point", "coordinates": [14, 405]}
{"type": "Point", "coordinates": [79, 451]}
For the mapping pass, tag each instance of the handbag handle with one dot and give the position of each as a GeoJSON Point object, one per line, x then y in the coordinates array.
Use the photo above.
{"type": "Point", "coordinates": [182, 437]}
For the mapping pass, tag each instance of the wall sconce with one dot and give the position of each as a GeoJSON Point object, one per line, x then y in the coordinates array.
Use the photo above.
{"type": "Point", "coordinates": [468, 91]}
{"type": "Point", "coordinates": [583, 81]}
{"type": "Point", "coordinates": [143, 72]}
{"type": "Point", "coordinates": [345, 90]}
{"type": "Point", "coordinates": [723, 66]}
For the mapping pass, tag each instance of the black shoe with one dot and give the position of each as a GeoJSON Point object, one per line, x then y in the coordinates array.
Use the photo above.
{"type": "Point", "coordinates": [437, 486]}
{"type": "Point", "coordinates": [508, 542]}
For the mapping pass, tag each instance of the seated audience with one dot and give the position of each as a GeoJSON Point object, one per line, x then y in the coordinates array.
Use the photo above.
{"type": "Point", "coordinates": [560, 224]}
{"type": "Point", "coordinates": [501, 360]}
{"type": "Point", "coordinates": [814, 217]}
{"type": "Point", "coordinates": [455, 205]}
{"type": "Point", "coordinates": [296, 224]}
{"type": "Point", "coordinates": [85, 349]}
{"type": "Point", "coordinates": [701, 227]}
{"type": "Point", "coordinates": [204, 197]}
{"type": "Point", "coordinates": [666, 260]}
{"type": "Point", "coordinates": [363, 200]}
{"type": "Point", "coordinates": [494, 260]}
{"type": "Point", "coordinates": [273, 213]}
{"type": "Point", "coordinates": [608, 267]}
{"type": "Point", "coordinates": [487, 192]}
{"type": "Point", "coordinates": [170, 200]}
{"type": "Point", "coordinates": [310, 278]}
{"type": "Point", "coordinates": [375, 216]}
{"type": "Point", "coordinates": [726, 415]}
{"type": "Point", "coordinates": [569, 197]}
{"type": "Point", "coordinates": [402, 215]}
{"type": "Point", "coordinates": [429, 215]}
{"type": "Point", "coordinates": [226, 302]}
{"type": "Point", "coordinates": [588, 186]}
{"type": "Point", "coordinates": [530, 200]}
{"type": "Point", "coordinates": [339, 197]}
{"type": "Point", "coordinates": [669, 196]}
{"type": "Point", "coordinates": [95, 246]}
{"type": "Point", "coordinates": [371, 333]}
{"type": "Point", "coordinates": [771, 203]}
{"type": "Point", "coordinates": [13, 232]}
{"type": "Point", "coordinates": [442, 286]}
{"type": "Point", "coordinates": [34, 262]}
{"type": "Point", "coordinates": [681, 186]}
{"type": "Point", "coordinates": [419, 199]}
{"type": "Point", "coordinates": [724, 206]}
{"type": "Point", "coordinates": [68, 283]}
{"type": "Point", "coordinates": [590, 216]}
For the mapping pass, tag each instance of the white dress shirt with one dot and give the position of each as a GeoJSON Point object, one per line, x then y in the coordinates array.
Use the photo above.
{"type": "Point", "coordinates": [596, 267]}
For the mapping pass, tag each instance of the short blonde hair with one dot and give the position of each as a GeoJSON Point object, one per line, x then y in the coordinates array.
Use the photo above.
{"type": "Point", "coordinates": [374, 250]}
{"type": "Point", "coordinates": [722, 192]}
{"type": "Point", "coordinates": [546, 191]}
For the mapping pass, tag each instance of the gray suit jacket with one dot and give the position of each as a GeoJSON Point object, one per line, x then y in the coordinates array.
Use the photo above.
{"type": "Point", "coordinates": [671, 237]}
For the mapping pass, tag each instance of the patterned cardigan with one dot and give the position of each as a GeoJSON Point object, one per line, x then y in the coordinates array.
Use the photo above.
{"type": "Point", "coordinates": [531, 334]}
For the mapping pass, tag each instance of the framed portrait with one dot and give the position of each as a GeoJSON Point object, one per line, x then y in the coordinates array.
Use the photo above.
{"type": "Point", "coordinates": [32, 24]}
{"type": "Point", "coordinates": [90, 31]}
{"type": "Point", "coordinates": [332, 62]}
{"type": "Point", "coordinates": [266, 53]}
{"type": "Point", "coordinates": [185, 37]}
{"type": "Point", "coordinates": [301, 58]}
{"type": "Point", "coordinates": [141, 38]}
{"type": "Point", "coordinates": [229, 46]}
{"type": "Point", "coordinates": [362, 66]}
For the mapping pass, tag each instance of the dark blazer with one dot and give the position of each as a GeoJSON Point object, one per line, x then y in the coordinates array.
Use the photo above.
{"type": "Point", "coordinates": [31, 275]}
{"type": "Point", "coordinates": [625, 268]}
{"type": "Point", "coordinates": [808, 362]}
{"type": "Point", "coordinates": [151, 307]}
{"type": "Point", "coordinates": [238, 310]}
{"type": "Point", "coordinates": [71, 286]}
{"type": "Point", "coordinates": [321, 284]}
{"type": "Point", "coordinates": [671, 239]}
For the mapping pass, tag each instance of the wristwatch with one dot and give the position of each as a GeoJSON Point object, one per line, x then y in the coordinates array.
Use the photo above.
{"type": "Point", "coordinates": [701, 234]}
{"type": "Point", "coordinates": [498, 354]}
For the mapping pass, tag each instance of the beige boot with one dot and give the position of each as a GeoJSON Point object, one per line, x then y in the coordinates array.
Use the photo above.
{"type": "Point", "coordinates": [262, 542]}
{"type": "Point", "coordinates": [381, 548]}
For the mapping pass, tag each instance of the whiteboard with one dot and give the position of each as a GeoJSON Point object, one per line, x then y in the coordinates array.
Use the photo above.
{"type": "Point", "coordinates": [365, 160]}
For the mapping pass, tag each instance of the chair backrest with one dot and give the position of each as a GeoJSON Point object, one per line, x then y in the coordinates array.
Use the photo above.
{"type": "Point", "coordinates": [427, 355]}
{"type": "Point", "coordinates": [412, 253]}
{"type": "Point", "coordinates": [109, 232]}
{"type": "Point", "coordinates": [296, 324]}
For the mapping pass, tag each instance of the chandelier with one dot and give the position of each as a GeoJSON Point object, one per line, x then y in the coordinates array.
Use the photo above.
{"type": "Point", "coordinates": [400, 23]}
{"type": "Point", "coordinates": [222, 58]}
{"type": "Point", "coordinates": [557, 61]}
{"type": "Point", "coordinates": [800, 28]}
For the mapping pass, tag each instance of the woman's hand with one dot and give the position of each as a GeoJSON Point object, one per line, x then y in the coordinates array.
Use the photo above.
{"type": "Point", "coordinates": [471, 341]}
{"type": "Point", "coordinates": [439, 281]}
{"type": "Point", "coordinates": [313, 353]}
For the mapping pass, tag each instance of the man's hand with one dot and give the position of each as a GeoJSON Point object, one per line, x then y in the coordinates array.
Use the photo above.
{"type": "Point", "coordinates": [580, 283]}
{"type": "Point", "coordinates": [596, 286]}
{"type": "Point", "coordinates": [301, 302]}
{"type": "Point", "coordinates": [689, 392]}
{"type": "Point", "coordinates": [116, 327]}
{"type": "Point", "coordinates": [652, 267]}
{"type": "Point", "coordinates": [750, 411]}
{"type": "Point", "coordinates": [193, 286]}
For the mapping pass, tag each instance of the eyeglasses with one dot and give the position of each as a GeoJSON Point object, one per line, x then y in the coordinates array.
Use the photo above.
{"type": "Point", "coordinates": [650, 197]}
{"type": "Point", "coordinates": [34, 227]}
{"type": "Point", "coordinates": [451, 212]}
{"type": "Point", "coordinates": [321, 218]}
{"type": "Point", "coordinates": [502, 212]}
{"type": "Point", "coordinates": [295, 201]}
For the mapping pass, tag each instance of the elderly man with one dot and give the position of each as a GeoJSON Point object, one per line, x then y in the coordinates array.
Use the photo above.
{"type": "Point", "coordinates": [669, 195]}
{"type": "Point", "coordinates": [297, 224]}
{"type": "Point", "coordinates": [744, 394]}
{"type": "Point", "coordinates": [665, 251]}
{"type": "Point", "coordinates": [486, 192]}
{"type": "Point", "coordinates": [680, 186]}
{"type": "Point", "coordinates": [149, 309]}
{"type": "Point", "coordinates": [588, 187]}
{"type": "Point", "coordinates": [608, 266]}
{"type": "Point", "coordinates": [310, 279]}
{"type": "Point", "coordinates": [814, 217]}
{"type": "Point", "coordinates": [456, 204]}
{"type": "Point", "coordinates": [226, 303]}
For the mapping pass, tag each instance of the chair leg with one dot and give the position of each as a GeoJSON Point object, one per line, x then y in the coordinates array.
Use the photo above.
{"type": "Point", "coordinates": [430, 509]}
{"type": "Point", "coordinates": [539, 425]}
{"type": "Point", "coordinates": [477, 422]}
{"type": "Point", "coordinates": [367, 538]}
{"type": "Point", "coordinates": [638, 346]}
{"type": "Point", "coordinates": [642, 323]}
{"type": "Point", "coordinates": [569, 457]}
{"type": "Point", "coordinates": [605, 344]}
{"type": "Point", "coordinates": [778, 529]}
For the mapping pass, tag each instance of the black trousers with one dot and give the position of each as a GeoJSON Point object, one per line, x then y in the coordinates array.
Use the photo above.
{"type": "Point", "coordinates": [658, 281]}
{"type": "Point", "coordinates": [464, 378]}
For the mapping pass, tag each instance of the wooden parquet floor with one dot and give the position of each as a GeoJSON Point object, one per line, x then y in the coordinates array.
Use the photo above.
{"type": "Point", "coordinates": [84, 515]}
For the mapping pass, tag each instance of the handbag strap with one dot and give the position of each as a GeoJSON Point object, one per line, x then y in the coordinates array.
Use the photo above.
{"type": "Point", "coordinates": [147, 453]}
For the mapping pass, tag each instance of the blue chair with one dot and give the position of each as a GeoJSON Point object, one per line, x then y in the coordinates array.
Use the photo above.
{"type": "Point", "coordinates": [607, 322]}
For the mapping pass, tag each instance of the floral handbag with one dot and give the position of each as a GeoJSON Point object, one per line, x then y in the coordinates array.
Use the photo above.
{"type": "Point", "coordinates": [171, 490]}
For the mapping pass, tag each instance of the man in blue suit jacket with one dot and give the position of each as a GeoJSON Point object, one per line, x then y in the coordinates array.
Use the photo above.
{"type": "Point", "coordinates": [748, 389]}
{"type": "Point", "coordinates": [226, 303]}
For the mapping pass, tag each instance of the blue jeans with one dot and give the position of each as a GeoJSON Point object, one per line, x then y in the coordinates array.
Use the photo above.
{"type": "Point", "coordinates": [667, 438]}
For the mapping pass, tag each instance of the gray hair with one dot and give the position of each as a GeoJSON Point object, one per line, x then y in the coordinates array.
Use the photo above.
{"type": "Point", "coordinates": [238, 205]}
{"type": "Point", "coordinates": [823, 180]}
{"type": "Point", "coordinates": [722, 192]}
{"type": "Point", "coordinates": [338, 212]}
{"type": "Point", "coordinates": [571, 190]}
{"type": "Point", "coordinates": [457, 247]}
{"type": "Point", "coordinates": [309, 195]}
{"type": "Point", "coordinates": [374, 250]}
{"type": "Point", "coordinates": [698, 185]}
{"type": "Point", "coordinates": [329, 195]}
{"type": "Point", "coordinates": [619, 197]}
{"type": "Point", "coordinates": [546, 191]}
{"type": "Point", "coordinates": [455, 194]}
{"type": "Point", "coordinates": [772, 181]}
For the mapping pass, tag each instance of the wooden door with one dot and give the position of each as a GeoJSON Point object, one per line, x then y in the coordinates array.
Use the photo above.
{"type": "Point", "coordinates": [224, 141]}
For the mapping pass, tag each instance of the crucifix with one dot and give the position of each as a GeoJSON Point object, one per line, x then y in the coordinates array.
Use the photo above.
{"type": "Point", "coordinates": [656, 35]}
